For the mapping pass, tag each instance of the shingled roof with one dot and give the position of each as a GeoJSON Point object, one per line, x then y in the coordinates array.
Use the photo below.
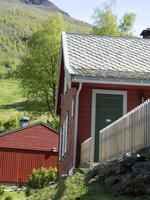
{"type": "Point", "coordinates": [36, 136]}
{"type": "Point", "coordinates": [107, 57]}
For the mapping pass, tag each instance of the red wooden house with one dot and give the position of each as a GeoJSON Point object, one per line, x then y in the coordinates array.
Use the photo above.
{"type": "Point", "coordinates": [101, 78]}
{"type": "Point", "coordinates": [25, 149]}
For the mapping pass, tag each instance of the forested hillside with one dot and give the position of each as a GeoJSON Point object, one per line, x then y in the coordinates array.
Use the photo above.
{"type": "Point", "coordinates": [18, 20]}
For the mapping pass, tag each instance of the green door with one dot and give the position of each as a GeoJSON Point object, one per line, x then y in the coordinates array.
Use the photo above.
{"type": "Point", "coordinates": [109, 107]}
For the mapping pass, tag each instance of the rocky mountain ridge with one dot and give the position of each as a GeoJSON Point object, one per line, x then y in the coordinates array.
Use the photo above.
{"type": "Point", "coordinates": [47, 4]}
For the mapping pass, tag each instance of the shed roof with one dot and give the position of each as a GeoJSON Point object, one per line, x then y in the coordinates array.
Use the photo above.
{"type": "Point", "coordinates": [107, 57]}
{"type": "Point", "coordinates": [37, 136]}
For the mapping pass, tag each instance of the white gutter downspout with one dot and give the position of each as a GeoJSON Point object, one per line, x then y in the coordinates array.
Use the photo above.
{"type": "Point", "coordinates": [76, 124]}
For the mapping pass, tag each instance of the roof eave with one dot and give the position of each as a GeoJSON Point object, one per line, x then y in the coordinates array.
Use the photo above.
{"type": "Point", "coordinates": [120, 81]}
{"type": "Point", "coordinates": [65, 53]}
{"type": "Point", "coordinates": [31, 149]}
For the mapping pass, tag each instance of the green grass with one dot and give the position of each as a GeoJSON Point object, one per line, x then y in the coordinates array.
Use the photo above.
{"type": "Point", "coordinates": [20, 195]}
{"type": "Point", "coordinates": [14, 105]}
{"type": "Point", "coordinates": [76, 187]}
{"type": "Point", "coordinates": [96, 191]}
{"type": "Point", "coordinates": [10, 98]}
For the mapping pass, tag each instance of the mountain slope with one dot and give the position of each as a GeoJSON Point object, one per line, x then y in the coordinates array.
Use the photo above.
{"type": "Point", "coordinates": [18, 20]}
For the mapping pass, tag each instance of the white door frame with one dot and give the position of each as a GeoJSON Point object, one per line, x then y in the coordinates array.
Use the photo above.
{"type": "Point", "coordinates": [93, 109]}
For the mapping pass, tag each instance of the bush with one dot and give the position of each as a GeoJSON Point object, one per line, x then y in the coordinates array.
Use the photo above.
{"type": "Point", "coordinates": [41, 177]}
{"type": "Point", "coordinates": [11, 123]}
{"type": "Point", "coordinates": [70, 188]}
{"type": "Point", "coordinates": [8, 198]}
{"type": "Point", "coordinates": [73, 187]}
{"type": "Point", "coordinates": [1, 190]}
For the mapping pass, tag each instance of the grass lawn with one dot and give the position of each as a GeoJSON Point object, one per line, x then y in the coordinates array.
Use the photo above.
{"type": "Point", "coordinates": [13, 104]}
{"type": "Point", "coordinates": [10, 97]}
{"type": "Point", "coordinates": [14, 195]}
{"type": "Point", "coordinates": [96, 191]}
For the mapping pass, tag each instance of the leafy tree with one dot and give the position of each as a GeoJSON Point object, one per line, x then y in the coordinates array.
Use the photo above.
{"type": "Point", "coordinates": [106, 23]}
{"type": "Point", "coordinates": [127, 23]}
{"type": "Point", "coordinates": [38, 71]}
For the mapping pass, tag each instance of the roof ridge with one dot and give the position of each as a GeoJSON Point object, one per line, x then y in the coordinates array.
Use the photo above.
{"type": "Point", "coordinates": [104, 36]}
{"type": "Point", "coordinates": [29, 126]}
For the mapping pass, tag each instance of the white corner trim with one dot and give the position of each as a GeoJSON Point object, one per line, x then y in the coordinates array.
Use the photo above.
{"type": "Point", "coordinates": [58, 82]}
{"type": "Point", "coordinates": [93, 109]}
{"type": "Point", "coordinates": [76, 123]}
{"type": "Point", "coordinates": [65, 53]}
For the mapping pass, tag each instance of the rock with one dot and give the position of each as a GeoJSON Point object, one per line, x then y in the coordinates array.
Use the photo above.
{"type": "Point", "coordinates": [112, 180]}
{"type": "Point", "coordinates": [125, 163]}
{"type": "Point", "coordinates": [123, 156]}
{"type": "Point", "coordinates": [144, 152]}
{"type": "Point", "coordinates": [129, 175]}
{"type": "Point", "coordinates": [142, 168]}
{"type": "Point", "coordinates": [106, 170]}
{"type": "Point", "coordinates": [121, 168]}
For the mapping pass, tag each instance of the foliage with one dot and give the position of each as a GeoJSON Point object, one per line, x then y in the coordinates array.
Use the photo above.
{"type": "Point", "coordinates": [38, 71]}
{"type": "Point", "coordinates": [72, 188]}
{"type": "Point", "coordinates": [127, 23]}
{"type": "Point", "coordinates": [15, 195]}
{"type": "Point", "coordinates": [13, 106]}
{"type": "Point", "coordinates": [1, 190]}
{"type": "Point", "coordinates": [55, 123]}
{"type": "Point", "coordinates": [106, 23]}
{"type": "Point", "coordinates": [18, 22]}
{"type": "Point", "coordinates": [42, 177]}
{"type": "Point", "coordinates": [8, 198]}
{"type": "Point", "coordinates": [10, 124]}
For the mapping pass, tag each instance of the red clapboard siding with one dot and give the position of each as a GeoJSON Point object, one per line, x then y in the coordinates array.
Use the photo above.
{"type": "Point", "coordinates": [134, 98]}
{"type": "Point", "coordinates": [17, 165]}
{"type": "Point", "coordinates": [67, 162]}
{"type": "Point", "coordinates": [23, 150]}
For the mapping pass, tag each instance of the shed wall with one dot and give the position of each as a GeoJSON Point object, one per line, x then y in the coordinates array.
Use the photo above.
{"type": "Point", "coordinates": [17, 165]}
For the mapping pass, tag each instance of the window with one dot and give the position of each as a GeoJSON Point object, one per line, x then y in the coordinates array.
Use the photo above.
{"type": "Point", "coordinates": [60, 143]}
{"type": "Point", "coordinates": [72, 106]}
{"type": "Point", "coordinates": [64, 136]}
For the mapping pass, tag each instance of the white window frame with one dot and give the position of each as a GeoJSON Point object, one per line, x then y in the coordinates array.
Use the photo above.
{"type": "Point", "coordinates": [72, 106]}
{"type": "Point", "coordinates": [64, 136]}
{"type": "Point", "coordinates": [60, 143]}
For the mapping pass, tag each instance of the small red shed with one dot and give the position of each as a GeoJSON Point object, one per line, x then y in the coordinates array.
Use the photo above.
{"type": "Point", "coordinates": [25, 149]}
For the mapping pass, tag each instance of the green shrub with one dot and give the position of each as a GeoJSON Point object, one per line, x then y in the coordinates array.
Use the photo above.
{"type": "Point", "coordinates": [1, 190]}
{"type": "Point", "coordinates": [41, 177]}
{"type": "Point", "coordinates": [8, 198]}
{"type": "Point", "coordinates": [11, 123]}
{"type": "Point", "coordinates": [73, 187]}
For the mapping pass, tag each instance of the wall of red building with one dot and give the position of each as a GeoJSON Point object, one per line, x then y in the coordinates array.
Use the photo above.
{"type": "Point", "coordinates": [17, 165]}
{"type": "Point", "coordinates": [134, 98]}
{"type": "Point", "coordinates": [66, 163]}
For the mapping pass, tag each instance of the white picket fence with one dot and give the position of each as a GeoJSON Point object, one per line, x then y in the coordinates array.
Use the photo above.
{"type": "Point", "coordinates": [127, 134]}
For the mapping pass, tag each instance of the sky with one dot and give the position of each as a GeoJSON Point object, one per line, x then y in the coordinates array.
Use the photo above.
{"type": "Point", "coordinates": [83, 10]}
